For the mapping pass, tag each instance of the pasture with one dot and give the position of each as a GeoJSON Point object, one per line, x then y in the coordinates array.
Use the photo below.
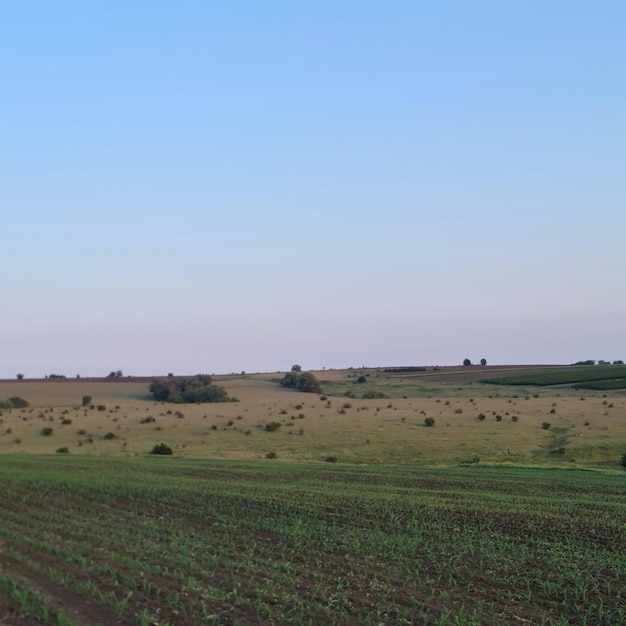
{"type": "Point", "coordinates": [515, 424]}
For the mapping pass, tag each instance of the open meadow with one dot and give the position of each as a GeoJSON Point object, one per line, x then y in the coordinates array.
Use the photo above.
{"type": "Point", "coordinates": [495, 423]}
{"type": "Point", "coordinates": [316, 508]}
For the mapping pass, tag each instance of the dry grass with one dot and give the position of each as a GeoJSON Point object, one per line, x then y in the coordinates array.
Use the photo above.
{"type": "Point", "coordinates": [370, 431]}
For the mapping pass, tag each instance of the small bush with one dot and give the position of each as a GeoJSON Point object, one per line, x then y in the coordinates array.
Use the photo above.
{"type": "Point", "coordinates": [498, 418]}
{"type": "Point", "coordinates": [623, 463]}
{"type": "Point", "coordinates": [346, 405]}
{"type": "Point", "coordinates": [429, 421]}
{"type": "Point", "coordinates": [546, 425]}
{"type": "Point", "coordinates": [162, 448]}
{"type": "Point", "coordinates": [374, 395]}
{"type": "Point", "coordinates": [514, 418]}
{"type": "Point", "coordinates": [86, 401]}
{"type": "Point", "coordinates": [47, 431]}
{"type": "Point", "coordinates": [271, 427]}
{"type": "Point", "coordinates": [66, 421]}
{"type": "Point", "coordinates": [63, 450]}
{"type": "Point", "coordinates": [101, 407]}
{"type": "Point", "coordinates": [271, 455]}
{"type": "Point", "coordinates": [331, 459]}
{"type": "Point", "coordinates": [109, 436]}
{"type": "Point", "coordinates": [481, 417]}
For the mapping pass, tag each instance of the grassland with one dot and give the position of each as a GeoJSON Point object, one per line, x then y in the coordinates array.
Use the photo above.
{"type": "Point", "coordinates": [183, 542]}
{"type": "Point", "coordinates": [585, 427]}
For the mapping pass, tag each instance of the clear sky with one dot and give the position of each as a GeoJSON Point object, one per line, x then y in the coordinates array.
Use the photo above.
{"type": "Point", "coordinates": [203, 186]}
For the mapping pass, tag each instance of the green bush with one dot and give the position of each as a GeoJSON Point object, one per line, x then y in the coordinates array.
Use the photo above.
{"type": "Point", "coordinates": [429, 421]}
{"type": "Point", "coordinates": [331, 459]}
{"type": "Point", "coordinates": [624, 460]}
{"type": "Point", "coordinates": [47, 431]}
{"type": "Point", "coordinates": [271, 427]}
{"type": "Point", "coordinates": [161, 448]}
{"type": "Point", "coordinates": [14, 402]}
{"type": "Point", "coordinates": [63, 450]}
{"type": "Point", "coordinates": [302, 381]}
{"type": "Point", "coordinates": [109, 436]}
{"type": "Point", "coordinates": [86, 400]}
{"type": "Point", "coordinates": [546, 425]}
{"type": "Point", "coordinates": [196, 390]}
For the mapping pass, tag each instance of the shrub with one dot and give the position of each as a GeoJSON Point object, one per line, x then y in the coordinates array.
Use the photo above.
{"type": "Point", "coordinates": [481, 417]}
{"type": "Point", "coordinates": [17, 403]}
{"type": "Point", "coordinates": [101, 407]}
{"type": "Point", "coordinates": [194, 390]}
{"type": "Point", "coordinates": [161, 448]}
{"type": "Point", "coordinates": [109, 436]}
{"type": "Point", "coordinates": [302, 381]}
{"type": "Point", "coordinates": [63, 450]}
{"type": "Point", "coordinates": [271, 427]}
{"type": "Point", "coordinates": [546, 425]}
{"type": "Point", "coordinates": [66, 421]}
{"type": "Point", "coordinates": [86, 401]}
{"type": "Point", "coordinates": [498, 418]}
{"type": "Point", "coordinates": [624, 460]}
{"type": "Point", "coordinates": [514, 418]}
{"type": "Point", "coordinates": [374, 395]}
{"type": "Point", "coordinates": [331, 459]}
{"type": "Point", "coordinates": [361, 379]}
{"type": "Point", "coordinates": [271, 455]}
{"type": "Point", "coordinates": [429, 421]}
{"type": "Point", "coordinates": [47, 431]}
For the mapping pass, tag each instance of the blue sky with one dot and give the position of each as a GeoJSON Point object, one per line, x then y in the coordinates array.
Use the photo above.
{"type": "Point", "coordinates": [226, 186]}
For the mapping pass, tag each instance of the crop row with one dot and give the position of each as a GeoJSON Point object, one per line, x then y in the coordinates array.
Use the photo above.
{"type": "Point", "coordinates": [564, 376]}
{"type": "Point", "coordinates": [191, 542]}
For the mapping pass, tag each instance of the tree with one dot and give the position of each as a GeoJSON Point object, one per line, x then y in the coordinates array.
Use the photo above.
{"type": "Point", "coordinates": [20, 376]}
{"type": "Point", "coordinates": [467, 363]}
{"type": "Point", "coordinates": [303, 381]}
{"type": "Point", "coordinates": [193, 390]}
{"type": "Point", "coordinates": [296, 368]}
{"type": "Point", "coordinates": [483, 362]}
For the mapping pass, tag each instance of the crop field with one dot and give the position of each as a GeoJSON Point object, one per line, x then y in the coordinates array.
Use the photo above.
{"type": "Point", "coordinates": [381, 420]}
{"type": "Point", "coordinates": [170, 541]}
{"type": "Point", "coordinates": [568, 375]}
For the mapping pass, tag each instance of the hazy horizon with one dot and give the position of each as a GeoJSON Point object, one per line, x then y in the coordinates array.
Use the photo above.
{"type": "Point", "coordinates": [218, 187]}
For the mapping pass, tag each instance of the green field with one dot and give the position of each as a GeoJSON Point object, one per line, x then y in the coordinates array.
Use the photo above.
{"type": "Point", "coordinates": [188, 542]}
{"type": "Point", "coordinates": [566, 376]}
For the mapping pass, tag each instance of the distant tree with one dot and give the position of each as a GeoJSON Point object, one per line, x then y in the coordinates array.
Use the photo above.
{"type": "Point", "coordinates": [303, 381]}
{"type": "Point", "coordinates": [483, 362]}
{"type": "Point", "coordinates": [86, 400]}
{"type": "Point", "coordinates": [115, 374]}
{"type": "Point", "coordinates": [296, 368]}
{"type": "Point", "coordinates": [20, 376]}
{"type": "Point", "coordinates": [620, 362]}
{"type": "Point", "coordinates": [361, 379]}
{"type": "Point", "coordinates": [196, 390]}
{"type": "Point", "coordinates": [467, 362]}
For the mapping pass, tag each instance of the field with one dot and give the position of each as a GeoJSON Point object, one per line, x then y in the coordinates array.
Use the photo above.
{"type": "Point", "coordinates": [522, 424]}
{"type": "Point", "coordinates": [184, 542]}
{"type": "Point", "coordinates": [346, 511]}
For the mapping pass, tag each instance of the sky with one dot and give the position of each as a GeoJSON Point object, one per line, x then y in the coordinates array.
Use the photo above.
{"type": "Point", "coordinates": [219, 187]}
